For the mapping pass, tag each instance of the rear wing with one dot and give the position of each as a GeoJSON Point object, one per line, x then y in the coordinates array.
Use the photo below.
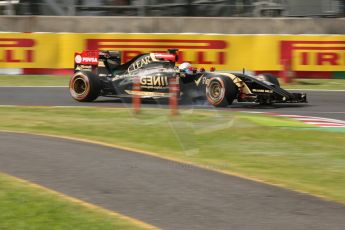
{"type": "Point", "coordinates": [87, 57]}
{"type": "Point", "coordinates": [86, 60]}
{"type": "Point", "coordinates": [91, 59]}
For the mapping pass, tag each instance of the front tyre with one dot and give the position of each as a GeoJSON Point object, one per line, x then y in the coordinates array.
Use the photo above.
{"type": "Point", "coordinates": [84, 86]}
{"type": "Point", "coordinates": [221, 91]}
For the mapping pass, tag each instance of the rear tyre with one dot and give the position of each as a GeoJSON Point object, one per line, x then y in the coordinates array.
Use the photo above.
{"type": "Point", "coordinates": [84, 86]}
{"type": "Point", "coordinates": [221, 91]}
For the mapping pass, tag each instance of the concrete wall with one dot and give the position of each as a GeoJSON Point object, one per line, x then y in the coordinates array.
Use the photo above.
{"type": "Point", "coordinates": [172, 25]}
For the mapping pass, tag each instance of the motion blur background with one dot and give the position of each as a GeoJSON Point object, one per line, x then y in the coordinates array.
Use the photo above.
{"type": "Point", "coordinates": [196, 8]}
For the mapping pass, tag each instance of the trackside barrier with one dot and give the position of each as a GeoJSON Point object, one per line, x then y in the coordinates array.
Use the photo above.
{"type": "Point", "coordinates": [173, 95]}
{"type": "Point", "coordinates": [136, 95]}
{"type": "Point", "coordinates": [287, 73]}
{"type": "Point", "coordinates": [311, 56]}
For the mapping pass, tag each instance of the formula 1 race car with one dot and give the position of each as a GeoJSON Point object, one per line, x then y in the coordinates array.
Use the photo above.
{"type": "Point", "coordinates": [100, 73]}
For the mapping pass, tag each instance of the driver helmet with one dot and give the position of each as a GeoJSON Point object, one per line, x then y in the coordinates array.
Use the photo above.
{"type": "Point", "coordinates": [186, 68]}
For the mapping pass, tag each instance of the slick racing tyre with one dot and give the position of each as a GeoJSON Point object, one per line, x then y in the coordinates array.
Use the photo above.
{"type": "Point", "coordinates": [84, 86]}
{"type": "Point", "coordinates": [221, 91]}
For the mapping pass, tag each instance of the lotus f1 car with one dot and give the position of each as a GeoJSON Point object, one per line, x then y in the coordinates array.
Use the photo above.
{"type": "Point", "coordinates": [101, 73]}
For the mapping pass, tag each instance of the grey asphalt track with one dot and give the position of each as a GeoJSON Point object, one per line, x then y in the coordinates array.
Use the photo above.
{"type": "Point", "coordinates": [160, 192]}
{"type": "Point", "coordinates": [321, 103]}
{"type": "Point", "coordinates": [163, 193]}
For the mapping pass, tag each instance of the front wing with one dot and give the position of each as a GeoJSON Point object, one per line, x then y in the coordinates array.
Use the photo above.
{"type": "Point", "coordinates": [270, 93]}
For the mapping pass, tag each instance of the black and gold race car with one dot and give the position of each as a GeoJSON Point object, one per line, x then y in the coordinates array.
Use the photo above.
{"type": "Point", "coordinates": [101, 73]}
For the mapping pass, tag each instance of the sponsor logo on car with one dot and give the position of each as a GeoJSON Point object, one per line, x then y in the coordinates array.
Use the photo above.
{"type": "Point", "coordinates": [203, 51]}
{"type": "Point", "coordinates": [154, 81]}
{"type": "Point", "coordinates": [89, 59]}
{"type": "Point", "coordinates": [203, 80]}
{"type": "Point", "coordinates": [140, 63]}
{"type": "Point", "coordinates": [147, 94]}
{"type": "Point", "coordinates": [17, 50]}
{"type": "Point", "coordinates": [262, 90]}
{"type": "Point", "coordinates": [83, 67]}
{"type": "Point", "coordinates": [78, 59]}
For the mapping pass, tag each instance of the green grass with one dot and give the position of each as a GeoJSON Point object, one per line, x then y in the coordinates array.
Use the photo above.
{"type": "Point", "coordinates": [330, 84]}
{"type": "Point", "coordinates": [26, 207]}
{"type": "Point", "coordinates": [43, 80]}
{"type": "Point", "coordinates": [273, 149]}
{"type": "Point", "coordinates": [33, 80]}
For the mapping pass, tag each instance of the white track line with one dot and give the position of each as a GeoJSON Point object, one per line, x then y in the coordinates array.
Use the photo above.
{"type": "Point", "coordinates": [308, 118]}
{"type": "Point", "coordinates": [315, 121]}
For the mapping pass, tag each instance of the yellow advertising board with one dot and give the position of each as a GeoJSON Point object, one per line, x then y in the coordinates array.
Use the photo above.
{"type": "Point", "coordinates": [225, 52]}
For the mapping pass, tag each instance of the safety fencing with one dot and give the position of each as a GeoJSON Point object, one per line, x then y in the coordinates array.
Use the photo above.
{"type": "Point", "coordinates": [317, 56]}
